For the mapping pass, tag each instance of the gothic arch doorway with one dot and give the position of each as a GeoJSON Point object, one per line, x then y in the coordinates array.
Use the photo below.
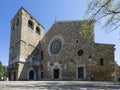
{"type": "Point", "coordinates": [31, 75]}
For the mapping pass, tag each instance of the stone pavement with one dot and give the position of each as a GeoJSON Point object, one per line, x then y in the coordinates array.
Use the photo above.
{"type": "Point", "coordinates": [58, 85]}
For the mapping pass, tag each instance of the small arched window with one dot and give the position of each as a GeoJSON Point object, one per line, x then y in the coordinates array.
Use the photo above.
{"type": "Point", "coordinates": [17, 22]}
{"type": "Point", "coordinates": [30, 24]}
{"type": "Point", "coordinates": [38, 30]}
{"type": "Point", "coordinates": [13, 26]}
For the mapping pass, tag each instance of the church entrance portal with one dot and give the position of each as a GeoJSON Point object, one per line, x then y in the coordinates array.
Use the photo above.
{"type": "Point", "coordinates": [56, 73]}
{"type": "Point", "coordinates": [31, 75]}
{"type": "Point", "coordinates": [81, 72]}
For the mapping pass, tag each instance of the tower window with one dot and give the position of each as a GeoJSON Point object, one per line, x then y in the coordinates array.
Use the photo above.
{"type": "Point", "coordinates": [101, 61]}
{"type": "Point", "coordinates": [17, 22]}
{"type": "Point", "coordinates": [13, 27]}
{"type": "Point", "coordinates": [30, 24]}
{"type": "Point", "coordinates": [38, 30]}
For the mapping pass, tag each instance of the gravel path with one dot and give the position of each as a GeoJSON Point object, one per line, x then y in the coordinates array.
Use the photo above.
{"type": "Point", "coordinates": [58, 85]}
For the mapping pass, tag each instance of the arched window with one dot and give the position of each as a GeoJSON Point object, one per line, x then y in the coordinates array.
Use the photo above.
{"type": "Point", "coordinates": [38, 30]}
{"type": "Point", "coordinates": [30, 24]}
{"type": "Point", "coordinates": [13, 26]}
{"type": "Point", "coordinates": [17, 23]}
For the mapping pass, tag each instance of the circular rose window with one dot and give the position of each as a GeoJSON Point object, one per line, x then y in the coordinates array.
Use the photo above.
{"type": "Point", "coordinates": [55, 46]}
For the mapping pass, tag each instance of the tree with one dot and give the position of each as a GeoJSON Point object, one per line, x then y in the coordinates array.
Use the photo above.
{"type": "Point", "coordinates": [87, 28]}
{"type": "Point", "coordinates": [107, 11]}
{"type": "Point", "coordinates": [1, 69]}
{"type": "Point", "coordinates": [5, 72]}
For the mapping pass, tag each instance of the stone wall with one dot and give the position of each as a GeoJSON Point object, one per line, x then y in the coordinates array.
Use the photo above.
{"type": "Point", "coordinates": [26, 34]}
{"type": "Point", "coordinates": [67, 59]}
{"type": "Point", "coordinates": [66, 52]}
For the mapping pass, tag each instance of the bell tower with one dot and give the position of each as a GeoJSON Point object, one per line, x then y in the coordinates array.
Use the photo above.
{"type": "Point", "coordinates": [26, 33]}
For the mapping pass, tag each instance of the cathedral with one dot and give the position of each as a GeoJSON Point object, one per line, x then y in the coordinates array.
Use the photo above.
{"type": "Point", "coordinates": [66, 52]}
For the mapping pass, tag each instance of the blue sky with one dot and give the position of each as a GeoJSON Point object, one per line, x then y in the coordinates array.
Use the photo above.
{"type": "Point", "coordinates": [46, 12]}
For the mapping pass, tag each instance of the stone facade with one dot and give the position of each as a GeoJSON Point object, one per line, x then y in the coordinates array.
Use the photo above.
{"type": "Point", "coordinates": [26, 33]}
{"type": "Point", "coordinates": [62, 54]}
{"type": "Point", "coordinates": [116, 73]}
{"type": "Point", "coordinates": [79, 58]}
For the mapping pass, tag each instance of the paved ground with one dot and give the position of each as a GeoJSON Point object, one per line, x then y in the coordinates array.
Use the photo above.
{"type": "Point", "coordinates": [58, 85]}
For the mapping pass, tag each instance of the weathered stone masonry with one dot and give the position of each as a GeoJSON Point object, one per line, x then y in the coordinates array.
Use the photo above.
{"type": "Point", "coordinates": [26, 33]}
{"type": "Point", "coordinates": [62, 54]}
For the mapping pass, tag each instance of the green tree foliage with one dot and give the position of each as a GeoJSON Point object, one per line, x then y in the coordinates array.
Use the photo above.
{"type": "Point", "coordinates": [5, 72]}
{"type": "Point", "coordinates": [87, 28]}
{"type": "Point", "coordinates": [1, 69]}
{"type": "Point", "coordinates": [107, 11]}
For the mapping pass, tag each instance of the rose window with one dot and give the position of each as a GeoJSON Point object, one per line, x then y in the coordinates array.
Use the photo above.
{"type": "Point", "coordinates": [55, 46]}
